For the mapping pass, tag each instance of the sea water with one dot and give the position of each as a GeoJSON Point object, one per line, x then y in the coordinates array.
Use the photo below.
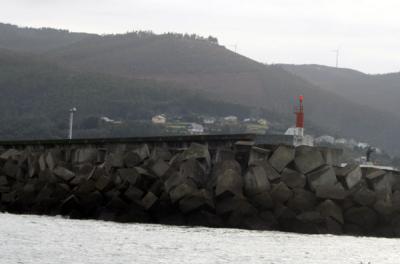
{"type": "Point", "coordinates": [39, 239]}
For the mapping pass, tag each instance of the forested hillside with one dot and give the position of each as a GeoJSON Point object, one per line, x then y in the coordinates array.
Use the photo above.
{"type": "Point", "coordinates": [380, 91]}
{"type": "Point", "coordinates": [36, 97]}
{"type": "Point", "coordinates": [32, 40]}
{"type": "Point", "coordinates": [92, 68]}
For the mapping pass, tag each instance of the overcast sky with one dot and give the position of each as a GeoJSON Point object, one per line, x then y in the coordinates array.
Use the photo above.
{"type": "Point", "coordinates": [367, 32]}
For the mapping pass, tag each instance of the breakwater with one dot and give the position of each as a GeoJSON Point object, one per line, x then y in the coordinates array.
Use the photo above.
{"type": "Point", "coordinates": [217, 181]}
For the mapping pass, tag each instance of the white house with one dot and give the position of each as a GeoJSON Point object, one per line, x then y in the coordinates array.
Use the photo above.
{"type": "Point", "coordinates": [196, 129]}
{"type": "Point", "coordinates": [378, 151]}
{"type": "Point", "coordinates": [352, 143]}
{"type": "Point", "coordinates": [307, 140]}
{"type": "Point", "coordinates": [325, 139]}
{"type": "Point", "coordinates": [262, 121]}
{"type": "Point", "coordinates": [209, 120]}
{"type": "Point", "coordinates": [342, 141]}
{"type": "Point", "coordinates": [109, 120]}
{"type": "Point", "coordinates": [159, 119]}
{"type": "Point", "coordinates": [231, 119]}
{"type": "Point", "coordinates": [362, 145]}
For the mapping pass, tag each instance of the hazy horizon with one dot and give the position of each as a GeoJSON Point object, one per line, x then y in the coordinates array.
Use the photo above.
{"type": "Point", "coordinates": [273, 32]}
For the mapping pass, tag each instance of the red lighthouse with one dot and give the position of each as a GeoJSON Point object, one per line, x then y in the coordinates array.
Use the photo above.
{"type": "Point", "coordinates": [300, 118]}
{"type": "Point", "coordinates": [300, 113]}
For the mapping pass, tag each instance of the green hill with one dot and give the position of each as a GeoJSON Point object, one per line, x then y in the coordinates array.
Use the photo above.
{"type": "Point", "coordinates": [194, 65]}
{"type": "Point", "coordinates": [37, 94]}
{"type": "Point", "coordinates": [32, 40]}
{"type": "Point", "coordinates": [380, 91]}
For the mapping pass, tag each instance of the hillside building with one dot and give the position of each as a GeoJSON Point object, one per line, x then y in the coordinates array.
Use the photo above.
{"type": "Point", "coordinates": [110, 121]}
{"type": "Point", "coordinates": [325, 139]}
{"type": "Point", "coordinates": [209, 120]}
{"type": "Point", "coordinates": [159, 119]}
{"type": "Point", "coordinates": [231, 119]}
{"type": "Point", "coordinates": [196, 129]}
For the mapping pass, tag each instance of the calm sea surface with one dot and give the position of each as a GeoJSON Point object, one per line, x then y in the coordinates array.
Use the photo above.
{"type": "Point", "coordinates": [37, 239]}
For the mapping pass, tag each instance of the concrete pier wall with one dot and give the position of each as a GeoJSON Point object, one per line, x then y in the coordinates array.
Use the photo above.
{"type": "Point", "coordinates": [211, 181]}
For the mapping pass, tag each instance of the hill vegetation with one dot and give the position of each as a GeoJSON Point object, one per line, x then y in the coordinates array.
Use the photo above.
{"type": "Point", "coordinates": [32, 40]}
{"type": "Point", "coordinates": [380, 91]}
{"type": "Point", "coordinates": [172, 72]}
{"type": "Point", "coordinates": [37, 94]}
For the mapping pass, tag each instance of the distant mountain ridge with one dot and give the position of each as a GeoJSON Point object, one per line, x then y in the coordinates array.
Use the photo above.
{"type": "Point", "coordinates": [199, 65]}
{"type": "Point", "coordinates": [32, 40]}
{"type": "Point", "coordinates": [380, 91]}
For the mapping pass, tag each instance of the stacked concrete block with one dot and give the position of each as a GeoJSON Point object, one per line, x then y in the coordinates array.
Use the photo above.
{"type": "Point", "coordinates": [243, 186]}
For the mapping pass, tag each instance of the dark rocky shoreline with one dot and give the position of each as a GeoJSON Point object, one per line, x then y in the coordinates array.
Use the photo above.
{"type": "Point", "coordinates": [238, 185]}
